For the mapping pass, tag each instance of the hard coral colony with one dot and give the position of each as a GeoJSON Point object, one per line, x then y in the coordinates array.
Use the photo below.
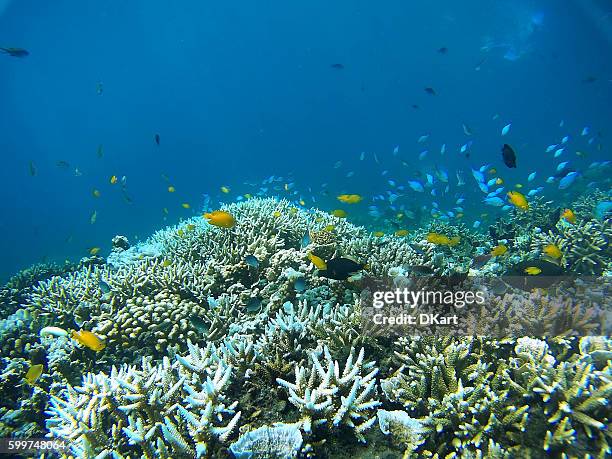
{"type": "Point", "coordinates": [175, 360]}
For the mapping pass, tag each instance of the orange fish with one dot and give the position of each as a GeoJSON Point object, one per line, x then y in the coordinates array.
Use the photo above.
{"type": "Point", "coordinates": [220, 218]}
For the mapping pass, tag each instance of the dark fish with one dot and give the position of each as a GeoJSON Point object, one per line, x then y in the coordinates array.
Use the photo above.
{"type": "Point", "coordinates": [253, 304]}
{"type": "Point", "coordinates": [421, 269]}
{"type": "Point", "coordinates": [199, 324]}
{"type": "Point", "coordinates": [15, 52]}
{"type": "Point", "coordinates": [590, 79]}
{"type": "Point", "coordinates": [100, 151]}
{"type": "Point", "coordinates": [32, 167]}
{"type": "Point", "coordinates": [480, 260]}
{"type": "Point", "coordinates": [550, 274]}
{"type": "Point", "coordinates": [252, 261]}
{"type": "Point", "coordinates": [157, 139]}
{"type": "Point", "coordinates": [417, 249]}
{"type": "Point", "coordinates": [415, 106]}
{"type": "Point", "coordinates": [443, 50]}
{"type": "Point", "coordinates": [509, 156]}
{"type": "Point", "coordinates": [337, 66]}
{"type": "Point", "coordinates": [430, 91]}
{"type": "Point", "coordinates": [300, 284]}
{"type": "Point", "coordinates": [63, 164]}
{"type": "Point", "coordinates": [104, 287]}
{"type": "Point", "coordinates": [340, 268]}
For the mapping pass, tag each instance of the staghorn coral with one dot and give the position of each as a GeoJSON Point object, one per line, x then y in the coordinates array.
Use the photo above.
{"type": "Point", "coordinates": [282, 441]}
{"type": "Point", "coordinates": [167, 409]}
{"type": "Point", "coordinates": [326, 396]}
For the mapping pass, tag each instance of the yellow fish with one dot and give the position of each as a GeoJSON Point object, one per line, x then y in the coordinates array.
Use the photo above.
{"type": "Point", "coordinates": [113, 179]}
{"type": "Point", "coordinates": [171, 189]}
{"type": "Point", "coordinates": [190, 226]}
{"type": "Point", "coordinates": [499, 250]}
{"type": "Point", "coordinates": [166, 263]}
{"type": "Point", "coordinates": [94, 250]}
{"type": "Point", "coordinates": [180, 232]}
{"type": "Point", "coordinates": [293, 211]}
{"type": "Point", "coordinates": [276, 214]}
{"type": "Point", "coordinates": [349, 198]}
{"type": "Point", "coordinates": [34, 373]}
{"type": "Point", "coordinates": [318, 219]}
{"type": "Point", "coordinates": [532, 271]}
{"type": "Point", "coordinates": [459, 215]}
{"type": "Point", "coordinates": [220, 218]}
{"type": "Point", "coordinates": [88, 339]}
{"type": "Point", "coordinates": [318, 262]}
{"type": "Point", "coordinates": [329, 228]}
{"type": "Point", "coordinates": [441, 239]}
{"type": "Point", "coordinates": [499, 181]}
{"type": "Point", "coordinates": [339, 213]}
{"type": "Point", "coordinates": [552, 251]}
{"type": "Point", "coordinates": [569, 216]}
{"type": "Point", "coordinates": [302, 202]}
{"type": "Point", "coordinates": [378, 234]}
{"type": "Point", "coordinates": [96, 193]}
{"type": "Point", "coordinates": [93, 217]}
{"type": "Point", "coordinates": [185, 205]}
{"type": "Point", "coordinates": [518, 185]}
{"type": "Point", "coordinates": [402, 232]}
{"type": "Point", "coordinates": [399, 216]}
{"type": "Point", "coordinates": [248, 196]}
{"type": "Point", "coordinates": [225, 189]}
{"type": "Point", "coordinates": [518, 199]}
{"type": "Point", "coordinates": [492, 171]}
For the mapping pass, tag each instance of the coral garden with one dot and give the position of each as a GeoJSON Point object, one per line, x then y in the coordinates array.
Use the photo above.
{"type": "Point", "coordinates": [225, 342]}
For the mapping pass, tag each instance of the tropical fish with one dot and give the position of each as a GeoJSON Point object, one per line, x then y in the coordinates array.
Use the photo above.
{"type": "Point", "coordinates": [480, 260]}
{"type": "Point", "coordinates": [157, 139]}
{"type": "Point", "coordinates": [430, 91]}
{"type": "Point", "coordinates": [551, 147]}
{"type": "Point", "coordinates": [568, 180]}
{"type": "Point", "coordinates": [531, 176]}
{"type": "Point", "coordinates": [185, 205]}
{"type": "Point", "coordinates": [329, 228]}
{"type": "Point", "coordinates": [113, 180]}
{"type": "Point", "coordinates": [518, 200]}
{"type": "Point", "coordinates": [494, 201]}
{"type": "Point", "coordinates": [559, 152]}
{"type": "Point", "coordinates": [100, 151]}
{"type": "Point", "coordinates": [509, 156]}
{"type": "Point", "coordinates": [499, 250]}
{"type": "Point", "coordinates": [317, 261]}
{"type": "Point", "coordinates": [15, 52]}
{"type": "Point", "coordinates": [349, 198]}
{"type": "Point", "coordinates": [340, 268]}
{"type": "Point", "coordinates": [99, 88]}
{"type": "Point", "coordinates": [416, 185]}
{"type": "Point", "coordinates": [423, 138]}
{"type": "Point", "coordinates": [532, 270]}
{"type": "Point", "coordinates": [423, 154]}
{"type": "Point", "coordinates": [220, 218]}
{"type": "Point", "coordinates": [339, 213]}
{"type": "Point", "coordinates": [562, 165]}
{"type": "Point", "coordinates": [171, 189]}
{"type": "Point", "coordinates": [602, 210]}
{"type": "Point", "coordinates": [224, 189]}
{"type": "Point", "coordinates": [93, 217]}
{"type": "Point", "coordinates": [96, 193]}
{"type": "Point", "coordinates": [94, 250]}
{"type": "Point", "coordinates": [252, 261]}
{"type": "Point", "coordinates": [466, 129]}
{"type": "Point", "coordinates": [88, 339]}
{"type": "Point", "coordinates": [166, 263]}
{"type": "Point", "coordinates": [565, 139]}
{"type": "Point", "coordinates": [32, 168]}
{"type": "Point", "coordinates": [300, 284]}
{"type": "Point", "coordinates": [104, 287]}
{"type": "Point", "coordinates": [441, 239]}
{"type": "Point", "coordinates": [506, 129]}
{"type": "Point", "coordinates": [378, 234]}
{"type": "Point", "coordinates": [552, 251]}
{"type": "Point", "coordinates": [337, 66]}
{"type": "Point", "coordinates": [34, 373]}
{"type": "Point", "coordinates": [569, 216]}
{"type": "Point", "coordinates": [401, 233]}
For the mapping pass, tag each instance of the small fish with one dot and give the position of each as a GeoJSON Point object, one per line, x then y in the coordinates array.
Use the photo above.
{"type": "Point", "coordinates": [171, 189]}
{"type": "Point", "coordinates": [499, 250]}
{"type": "Point", "coordinates": [602, 210]}
{"type": "Point", "coordinates": [443, 50]}
{"type": "Point", "coordinates": [466, 129]}
{"type": "Point", "coordinates": [88, 339]}
{"type": "Point", "coordinates": [441, 239]}
{"type": "Point", "coordinates": [99, 88]}
{"type": "Point", "coordinates": [32, 168]}
{"type": "Point", "coordinates": [518, 200]}
{"type": "Point", "coordinates": [329, 228]}
{"type": "Point", "coordinates": [305, 242]}
{"type": "Point", "coordinates": [34, 373]}
{"type": "Point", "coordinates": [378, 234]}
{"type": "Point", "coordinates": [220, 218]}
{"type": "Point", "coordinates": [100, 151]}
{"type": "Point", "coordinates": [416, 185]}
{"type": "Point", "coordinates": [585, 131]}
{"type": "Point", "coordinates": [337, 66]}
{"type": "Point", "coordinates": [362, 156]}
{"type": "Point", "coordinates": [94, 251]}
{"type": "Point", "coordinates": [63, 164]}
{"type": "Point", "coordinates": [565, 139]}
{"type": "Point", "coordinates": [499, 181]}
{"type": "Point", "coordinates": [15, 52]}
{"type": "Point", "coordinates": [225, 190]}
{"type": "Point", "coordinates": [476, 224]}
{"type": "Point", "coordinates": [506, 129]}
{"type": "Point", "coordinates": [443, 149]}
{"type": "Point", "coordinates": [509, 156]}
{"type": "Point", "coordinates": [93, 217]}
{"type": "Point", "coordinates": [317, 261]}
{"type": "Point", "coordinates": [337, 164]}
{"type": "Point", "coordinates": [166, 263]}
{"type": "Point", "coordinates": [349, 198]}
{"type": "Point", "coordinates": [430, 91]}
{"type": "Point", "coordinates": [190, 226]}
{"type": "Point", "coordinates": [532, 270]}
{"type": "Point", "coordinates": [423, 154]}
{"type": "Point", "coordinates": [480, 260]}
{"type": "Point", "coordinates": [401, 233]}
{"type": "Point", "coordinates": [551, 147]}
{"type": "Point", "coordinates": [423, 138]}
{"type": "Point", "coordinates": [252, 261]}
{"type": "Point", "coordinates": [340, 268]}
{"type": "Point", "coordinates": [185, 205]}
{"type": "Point", "coordinates": [349, 174]}
{"type": "Point", "coordinates": [552, 251]}
{"type": "Point", "coordinates": [300, 284]}
{"type": "Point", "coordinates": [568, 180]}
{"type": "Point", "coordinates": [113, 180]}
{"type": "Point", "coordinates": [569, 216]}
{"type": "Point", "coordinates": [495, 201]}
{"type": "Point", "coordinates": [531, 176]}
{"type": "Point", "coordinates": [104, 287]}
{"type": "Point", "coordinates": [559, 152]}
{"type": "Point", "coordinates": [339, 213]}
{"type": "Point", "coordinates": [157, 139]}
{"type": "Point", "coordinates": [96, 193]}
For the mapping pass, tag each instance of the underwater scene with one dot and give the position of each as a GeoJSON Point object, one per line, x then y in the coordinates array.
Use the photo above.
{"type": "Point", "coordinates": [306, 230]}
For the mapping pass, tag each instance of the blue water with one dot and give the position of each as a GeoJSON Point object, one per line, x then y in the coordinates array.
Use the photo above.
{"type": "Point", "coordinates": [242, 90]}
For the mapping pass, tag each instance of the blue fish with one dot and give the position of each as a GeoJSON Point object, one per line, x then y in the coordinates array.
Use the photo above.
{"type": "Point", "coordinates": [507, 207]}
{"type": "Point", "coordinates": [483, 187]}
{"type": "Point", "coordinates": [585, 131]}
{"type": "Point", "coordinates": [550, 179]}
{"type": "Point", "coordinates": [602, 210]}
{"type": "Point", "coordinates": [491, 182]}
{"type": "Point", "coordinates": [551, 147]}
{"type": "Point", "coordinates": [391, 182]}
{"type": "Point", "coordinates": [433, 192]}
{"type": "Point", "coordinates": [442, 174]}
{"type": "Point", "coordinates": [565, 139]}
{"type": "Point", "coordinates": [460, 201]}
{"type": "Point", "coordinates": [559, 152]}
{"type": "Point", "coordinates": [562, 165]}
{"type": "Point", "coordinates": [535, 191]}
{"type": "Point", "coordinates": [430, 180]}
{"type": "Point", "coordinates": [443, 149]}
{"type": "Point", "coordinates": [416, 185]}
{"type": "Point", "coordinates": [476, 224]}
{"type": "Point", "coordinates": [506, 129]}
{"type": "Point", "coordinates": [567, 181]}
{"type": "Point", "coordinates": [494, 201]}
{"type": "Point", "coordinates": [423, 154]}
{"type": "Point", "coordinates": [478, 176]}
{"type": "Point", "coordinates": [484, 167]}
{"type": "Point", "coordinates": [531, 176]}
